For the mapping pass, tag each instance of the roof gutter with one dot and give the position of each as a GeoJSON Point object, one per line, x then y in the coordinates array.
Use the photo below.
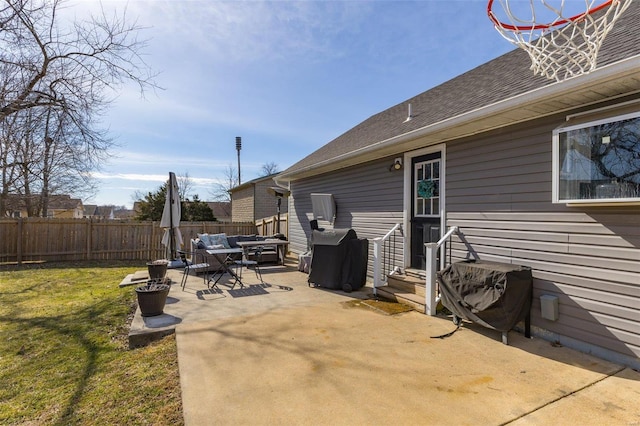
{"type": "Point", "coordinates": [616, 70]}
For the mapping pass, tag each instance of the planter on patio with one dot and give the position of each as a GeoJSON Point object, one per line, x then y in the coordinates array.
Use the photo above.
{"type": "Point", "coordinates": [157, 269]}
{"type": "Point", "coordinates": [152, 297]}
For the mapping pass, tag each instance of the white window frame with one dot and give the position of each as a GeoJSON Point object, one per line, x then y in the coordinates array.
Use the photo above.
{"type": "Point", "coordinates": [556, 164]}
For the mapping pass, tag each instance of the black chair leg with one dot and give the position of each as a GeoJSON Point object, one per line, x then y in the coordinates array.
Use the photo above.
{"type": "Point", "coordinates": [185, 275]}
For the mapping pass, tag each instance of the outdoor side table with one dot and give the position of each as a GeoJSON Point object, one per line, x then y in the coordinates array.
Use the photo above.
{"type": "Point", "coordinates": [224, 257]}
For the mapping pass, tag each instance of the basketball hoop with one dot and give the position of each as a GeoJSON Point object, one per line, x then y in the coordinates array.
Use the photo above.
{"type": "Point", "coordinates": [567, 44]}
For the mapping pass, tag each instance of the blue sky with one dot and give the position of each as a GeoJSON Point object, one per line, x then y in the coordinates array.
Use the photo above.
{"type": "Point", "coordinates": [286, 76]}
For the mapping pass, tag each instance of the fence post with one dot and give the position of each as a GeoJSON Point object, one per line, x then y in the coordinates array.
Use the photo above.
{"type": "Point", "coordinates": [19, 242]}
{"type": "Point", "coordinates": [431, 259]}
{"type": "Point", "coordinates": [89, 230]}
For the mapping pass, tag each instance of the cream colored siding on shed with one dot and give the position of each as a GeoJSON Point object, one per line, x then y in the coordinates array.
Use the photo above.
{"type": "Point", "coordinates": [265, 203]}
{"type": "Point", "coordinates": [368, 199]}
{"type": "Point", "coordinates": [252, 201]}
{"type": "Point", "coordinates": [242, 205]}
{"type": "Point", "coordinates": [499, 195]}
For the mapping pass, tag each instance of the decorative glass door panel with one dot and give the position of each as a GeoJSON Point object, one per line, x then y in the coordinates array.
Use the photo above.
{"type": "Point", "coordinates": [425, 205]}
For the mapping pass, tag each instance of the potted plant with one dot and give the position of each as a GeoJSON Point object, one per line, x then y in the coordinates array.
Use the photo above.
{"type": "Point", "coordinates": [157, 269]}
{"type": "Point", "coordinates": [152, 297]}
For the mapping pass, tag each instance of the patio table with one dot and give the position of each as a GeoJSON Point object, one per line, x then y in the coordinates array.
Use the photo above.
{"type": "Point", "coordinates": [279, 244]}
{"type": "Point", "coordinates": [224, 257]}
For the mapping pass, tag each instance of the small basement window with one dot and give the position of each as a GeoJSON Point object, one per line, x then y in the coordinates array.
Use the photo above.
{"type": "Point", "coordinates": [598, 161]}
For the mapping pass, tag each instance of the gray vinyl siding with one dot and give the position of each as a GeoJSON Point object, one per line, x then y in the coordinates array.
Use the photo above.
{"type": "Point", "coordinates": [368, 198]}
{"type": "Point", "coordinates": [499, 195]}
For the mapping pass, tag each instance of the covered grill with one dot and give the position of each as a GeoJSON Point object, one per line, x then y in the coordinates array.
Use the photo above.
{"type": "Point", "coordinates": [495, 295]}
{"type": "Point", "coordinates": [338, 259]}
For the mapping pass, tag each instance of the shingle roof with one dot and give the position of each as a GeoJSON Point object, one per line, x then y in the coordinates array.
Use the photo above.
{"type": "Point", "coordinates": [505, 77]}
{"type": "Point", "coordinates": [253, 182]}
{"type": "Point", "coordinates": [90, 209]}
{"type": "Point", "coordinates": [63, 202]}
{"type": "Point", "coordinates": [220, 209]}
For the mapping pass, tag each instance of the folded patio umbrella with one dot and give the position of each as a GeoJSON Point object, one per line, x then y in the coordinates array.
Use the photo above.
{"type": "Point", "coordinates": [172, 238]}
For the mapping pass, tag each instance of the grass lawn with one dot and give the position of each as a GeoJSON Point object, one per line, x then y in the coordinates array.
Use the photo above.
{"type": "Point", "coordinates": [64, 357]}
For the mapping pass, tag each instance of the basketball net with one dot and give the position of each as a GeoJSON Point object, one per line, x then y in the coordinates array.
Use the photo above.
{"type": "Point", "coordinates": [568, 45]}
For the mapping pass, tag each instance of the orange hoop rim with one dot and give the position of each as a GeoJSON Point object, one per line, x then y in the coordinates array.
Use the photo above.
{"type": "Point", "coordinates": [511, 27]}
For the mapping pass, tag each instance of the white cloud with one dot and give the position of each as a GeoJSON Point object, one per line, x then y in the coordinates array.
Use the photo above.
{"type": "Point", "coordinates": [130, 176]}
{"type": "Point", "coordinates": [255, 31]}
{"type": "Point", "coordinates": [140, 177]}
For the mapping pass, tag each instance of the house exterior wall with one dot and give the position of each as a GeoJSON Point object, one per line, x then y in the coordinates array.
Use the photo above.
{"type": "Point", "coordinates": [499, 194]}
{"type": "Point", "coordinates": [265, 203]}
{"type": "Point", "coordinates": [253, 202]}
{"type": "Point", "coordinates": [368, 199]}
{"type": "Point", "coordinates": [76, 213]}
{"type": "Point", "coordinates": [242, 205]}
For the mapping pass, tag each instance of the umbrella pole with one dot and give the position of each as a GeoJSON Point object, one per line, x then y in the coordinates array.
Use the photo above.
{"type": "Point", "coordinates": [172, 237]}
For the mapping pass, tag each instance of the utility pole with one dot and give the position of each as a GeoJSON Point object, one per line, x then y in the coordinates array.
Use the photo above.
{"type": "Point", "coordinates": [238, 148]}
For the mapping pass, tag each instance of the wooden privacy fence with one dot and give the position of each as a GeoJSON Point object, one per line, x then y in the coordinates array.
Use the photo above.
{"type": "Point", "coordinates": [47, 239]}
{"type": "Point", "coordinates": [269, 225]}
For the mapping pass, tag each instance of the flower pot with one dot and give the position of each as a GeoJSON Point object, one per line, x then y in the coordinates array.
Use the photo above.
{"type": "Point", "coordinates": [152, 298]}
{"type": "Point", "coordinates": [157, 270]}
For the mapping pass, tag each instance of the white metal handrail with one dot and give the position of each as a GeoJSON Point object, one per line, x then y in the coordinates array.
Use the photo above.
{"type": "Point", "coordinates": [378, 245]}
{"type": "Point", "coordinates": [431, 260]}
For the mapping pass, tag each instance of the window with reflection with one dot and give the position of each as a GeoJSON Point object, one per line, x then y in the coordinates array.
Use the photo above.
{"type": "Point", "coordinates": [598, 161]}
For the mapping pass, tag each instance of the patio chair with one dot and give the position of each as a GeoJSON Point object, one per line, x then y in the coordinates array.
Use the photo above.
{"type": "Point", "coordinates": [189, 265]}
{"type": "Point", "coordinates": [257, 257]}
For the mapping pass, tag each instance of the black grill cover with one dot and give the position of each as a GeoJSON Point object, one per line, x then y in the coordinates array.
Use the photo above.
{"type": "Point", "coordinates": [332, 237]}
{"type": "Point", "coordinates": [338, 260]}
{"type": "Point", "coordinates": [495, 295]}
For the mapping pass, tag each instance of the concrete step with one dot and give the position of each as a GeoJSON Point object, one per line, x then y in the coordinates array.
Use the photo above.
{"type": "Point", "coordinates": [407, 284]}
{"type": "Point", "coordinates": [406, 298]}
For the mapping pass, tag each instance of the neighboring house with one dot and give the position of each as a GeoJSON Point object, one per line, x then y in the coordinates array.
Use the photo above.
{"type": "Point", "coordinates": [124, 214]}
{"type": "Point", "coordinates": [221, 210]}
{"type": "Point", "coordinates": [99, 212]}
{"type": "Point", "coordinates": [252, 201]}
{"type": "Point", "coordinates": [90, 210]}
{"type": "Point", "coordinates": [15, 206]}
{"type": "Point", "coordinates": [59, 206]}
{"type": "Point", "coordinates": [63, 206]}
{"type": "Point", "coordinates": [490, 152]}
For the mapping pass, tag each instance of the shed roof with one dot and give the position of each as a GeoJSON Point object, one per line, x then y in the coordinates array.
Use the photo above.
{"type": "Point", "coordinates": [253, 182]}
{"type": "Point", "coordinates": [220, 209]}
{"type": "Point", "coordinates": [500, 92]}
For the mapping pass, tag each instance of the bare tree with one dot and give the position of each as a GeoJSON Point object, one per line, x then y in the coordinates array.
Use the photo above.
{"type": "Point", "coordinates": [220, 191]}
{"type": "Point", "coordinates": [185, 185]}
{"type": "Point", "coordinates": [43, 63]}
{"type": "Point", "coordinates": [269, 169]}
{"type": "Point", "coordinates": [47, 154]}
{"type": "Point", "coordinates": [9, 159]}
{"type": "Point", "coordinates": [56, 77]}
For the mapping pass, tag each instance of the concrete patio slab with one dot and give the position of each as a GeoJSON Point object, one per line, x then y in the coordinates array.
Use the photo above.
{"type": "Point", "coordinates": [283, 286]}
{"type": "Point", "coordinates": [285, 353]}
{"type": "Point", "coordinates": [332, 365]}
